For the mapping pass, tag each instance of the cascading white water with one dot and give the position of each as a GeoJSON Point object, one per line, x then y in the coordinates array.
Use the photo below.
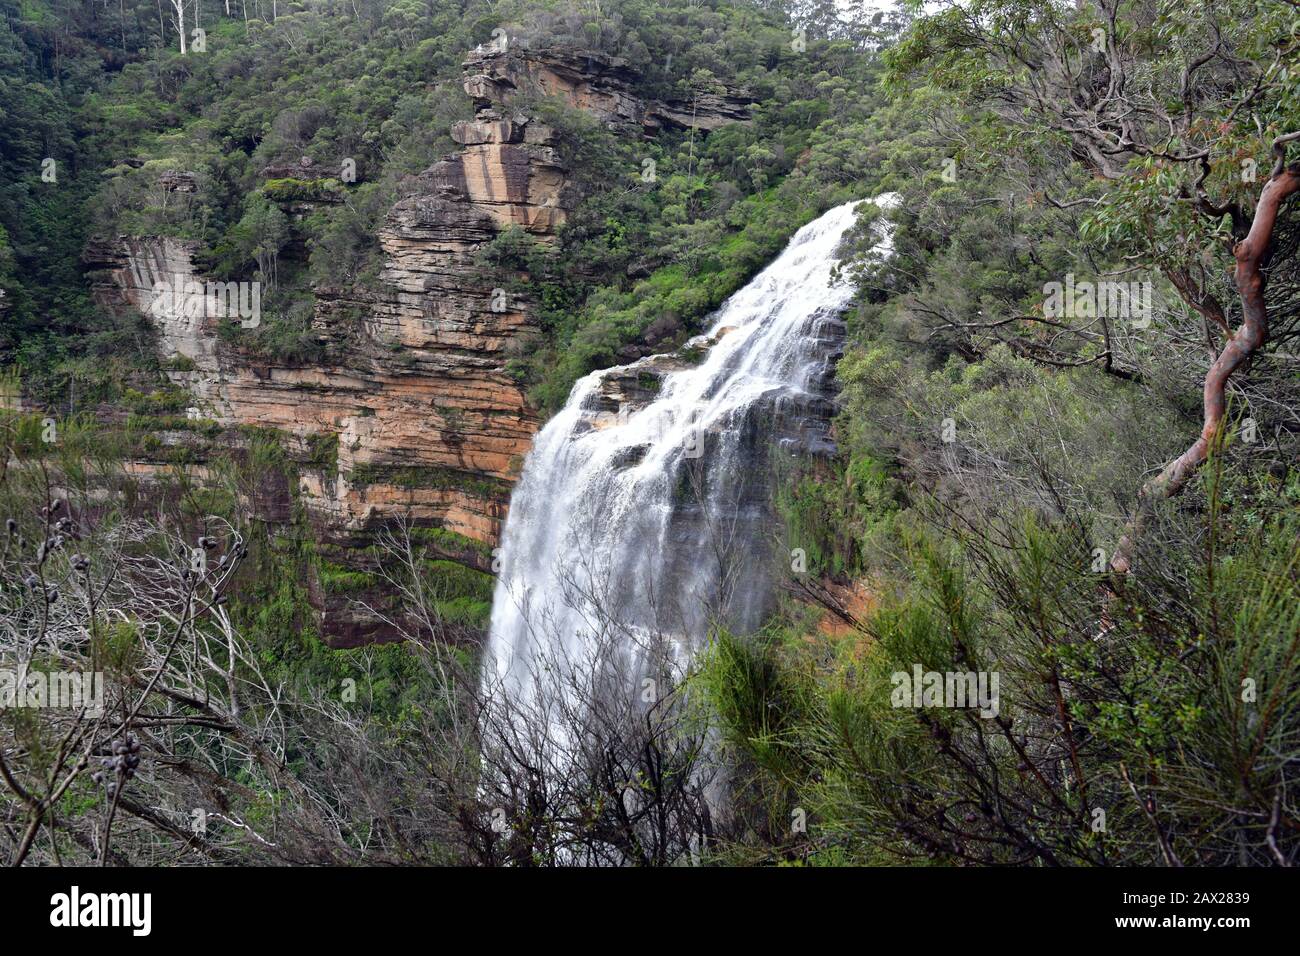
{"type": "Point", "coordinates": [642, 514]}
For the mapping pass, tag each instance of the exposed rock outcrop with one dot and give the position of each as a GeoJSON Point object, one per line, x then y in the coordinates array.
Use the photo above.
{"type": "Point", "coordinates": [594, 82]}
{"type": "Point", "coordinates": [412, 382]}
{"type": "Point", "coordinates": [600, 84]}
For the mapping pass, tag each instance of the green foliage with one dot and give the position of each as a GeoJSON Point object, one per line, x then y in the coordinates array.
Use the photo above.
{"type": "Point", "coordinates": [985, 453]}
{"type": "Point", "coordinates": [301, 190]}
{"type": "Point", "coordinates": [989, 458]}
{"type": "Point", "coordinates": [449, 541]}
{"type": "Point", "coordinates": [337, 579]}
{"type": "Point", "coordinates": [379, 90]}
{"type": "Point", "coordinates": [425, 477]}
{"type": "Point", "coordinates": [1165, 696]}
{"type": "Point", "coordinates": [462, 595]}
{"type": "Point", "coordinates": [323, 450]}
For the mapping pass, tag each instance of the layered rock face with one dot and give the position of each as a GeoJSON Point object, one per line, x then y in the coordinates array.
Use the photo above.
{"type": "Point", "coordinates": [599, 84]}
{"type": "Point", "coordinates": [429, 426]}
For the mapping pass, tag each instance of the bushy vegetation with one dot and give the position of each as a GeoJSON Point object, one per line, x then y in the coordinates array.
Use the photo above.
{"type": "Point", "coordinates": [337, 104]}
{"type": "Point", "coordinates": [1016, 492]}
{"type": "Point", "coordinates": [998, 464]}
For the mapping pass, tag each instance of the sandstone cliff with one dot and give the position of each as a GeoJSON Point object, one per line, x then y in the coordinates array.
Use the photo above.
{"type": "Point", "coordinates": [428, 424]}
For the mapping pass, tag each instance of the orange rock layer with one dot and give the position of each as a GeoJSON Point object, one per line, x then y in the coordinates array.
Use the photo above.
{"type": "Point", "coordinates": [428, 422]}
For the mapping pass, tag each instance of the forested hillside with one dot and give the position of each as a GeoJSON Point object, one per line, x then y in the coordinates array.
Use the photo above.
{"type": "Point", "coordinates": [1064, 437]}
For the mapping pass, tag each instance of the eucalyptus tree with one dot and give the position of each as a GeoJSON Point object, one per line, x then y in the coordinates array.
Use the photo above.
{"type": "Point", "coordinates": [1182, 117]}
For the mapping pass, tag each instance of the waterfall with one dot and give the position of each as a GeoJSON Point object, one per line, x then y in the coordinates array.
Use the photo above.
{"type": "Point", "coordinates": [644, 513]}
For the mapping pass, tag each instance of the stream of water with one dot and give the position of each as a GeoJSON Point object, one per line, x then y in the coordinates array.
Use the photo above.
{"type": "Point", "coordinates": [643, 514]}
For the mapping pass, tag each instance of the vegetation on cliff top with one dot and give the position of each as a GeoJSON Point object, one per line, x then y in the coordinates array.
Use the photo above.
{"type": "Point", "coordinates": [1019, 488]}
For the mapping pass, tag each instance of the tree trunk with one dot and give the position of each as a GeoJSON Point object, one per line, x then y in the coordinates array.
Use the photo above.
{"type": "Point", "coordinates": [179, 7]}
{"type": "Point", "coordinates": [1252, 255]}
